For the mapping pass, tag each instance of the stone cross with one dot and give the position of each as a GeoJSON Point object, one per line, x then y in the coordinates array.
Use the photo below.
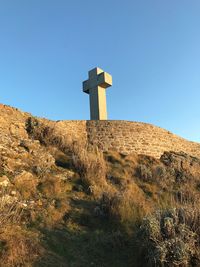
{"type": "Point", "coordinates": [96, 86]}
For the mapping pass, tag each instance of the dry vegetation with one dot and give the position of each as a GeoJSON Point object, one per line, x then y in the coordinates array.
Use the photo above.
{"type": "Point", "coordinates": [66, 204]}
{"type": "Point", "coordinates": [171, 237]}
{"type": "Point", "coordinates": [18, 245]}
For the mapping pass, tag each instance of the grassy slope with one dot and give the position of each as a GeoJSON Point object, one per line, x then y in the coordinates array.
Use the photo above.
{"type": "Point", "coordinates": [87, 239]}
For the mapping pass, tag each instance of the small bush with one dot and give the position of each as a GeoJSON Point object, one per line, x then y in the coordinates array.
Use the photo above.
{"type": "Point", "coordinates": [38, 130]}
{"type": "Point", "coordinates": [144, 173]}
{"type": "Point", "coordinates": [45, 133]}
{"type": "Point", "coordinates": [169, 238]}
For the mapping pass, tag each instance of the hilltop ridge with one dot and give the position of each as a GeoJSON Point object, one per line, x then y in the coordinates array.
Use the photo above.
{"type": "Point", "coordinates": [123, 136]}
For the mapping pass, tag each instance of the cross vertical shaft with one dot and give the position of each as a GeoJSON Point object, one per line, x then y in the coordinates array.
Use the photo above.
{"type": "Point", "coordinates": [96, 86]}
{"type": "Point", "coordinates": [98, 108]}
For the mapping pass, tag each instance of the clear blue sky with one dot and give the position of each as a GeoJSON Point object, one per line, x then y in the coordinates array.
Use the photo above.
{"type": "Point", "coordinates": [151, 47]}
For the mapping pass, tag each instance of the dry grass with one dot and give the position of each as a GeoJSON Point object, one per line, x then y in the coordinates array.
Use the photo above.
{"type": "Point", "coordinates": [19, 247]}
{"type": "Point", "coordinates": [131, 206]}
{"type": "Point", "coordinates": [26, 184]}
{"type": "Point", "coordinates": [56, 213]}
{"type": "Point", "coordinates": [91, 167]}
{"type": "Point", "coordinates": [50, 186]}
{"type": "Point", "coordinates": [126, 207]}
{"type": "Point", "coordinates": [88, 161]}
{"type": "Point", "coordinates": [10, 210]}
{"type": "Point", "coordinates": [45, 133]}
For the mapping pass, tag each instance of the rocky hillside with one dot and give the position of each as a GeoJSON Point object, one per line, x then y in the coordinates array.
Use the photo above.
{"type": "Point", "coordinates": [63, 203]}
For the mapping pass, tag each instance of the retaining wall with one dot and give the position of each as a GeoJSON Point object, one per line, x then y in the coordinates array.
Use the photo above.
{"type": "Point", "coordinates": [127, 137]}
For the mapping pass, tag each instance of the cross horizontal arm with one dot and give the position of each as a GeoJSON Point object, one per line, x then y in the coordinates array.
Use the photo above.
{"type": "Point", "coordinates": [103, 80]}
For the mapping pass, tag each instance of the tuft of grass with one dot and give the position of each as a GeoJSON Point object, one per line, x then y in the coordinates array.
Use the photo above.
{"type": "Point", "coordinates": [20, 247]}
{"type": "Point", "coordinates": [26, 184]}
{"type": "Point", "coordinates": [125, 208]}
{"type": "Point", "coordinates": [10, 209]}
{"type": "Point", "coordinates": [50, 186]}
{"type": "Point", "coordinates": [91, 167]}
